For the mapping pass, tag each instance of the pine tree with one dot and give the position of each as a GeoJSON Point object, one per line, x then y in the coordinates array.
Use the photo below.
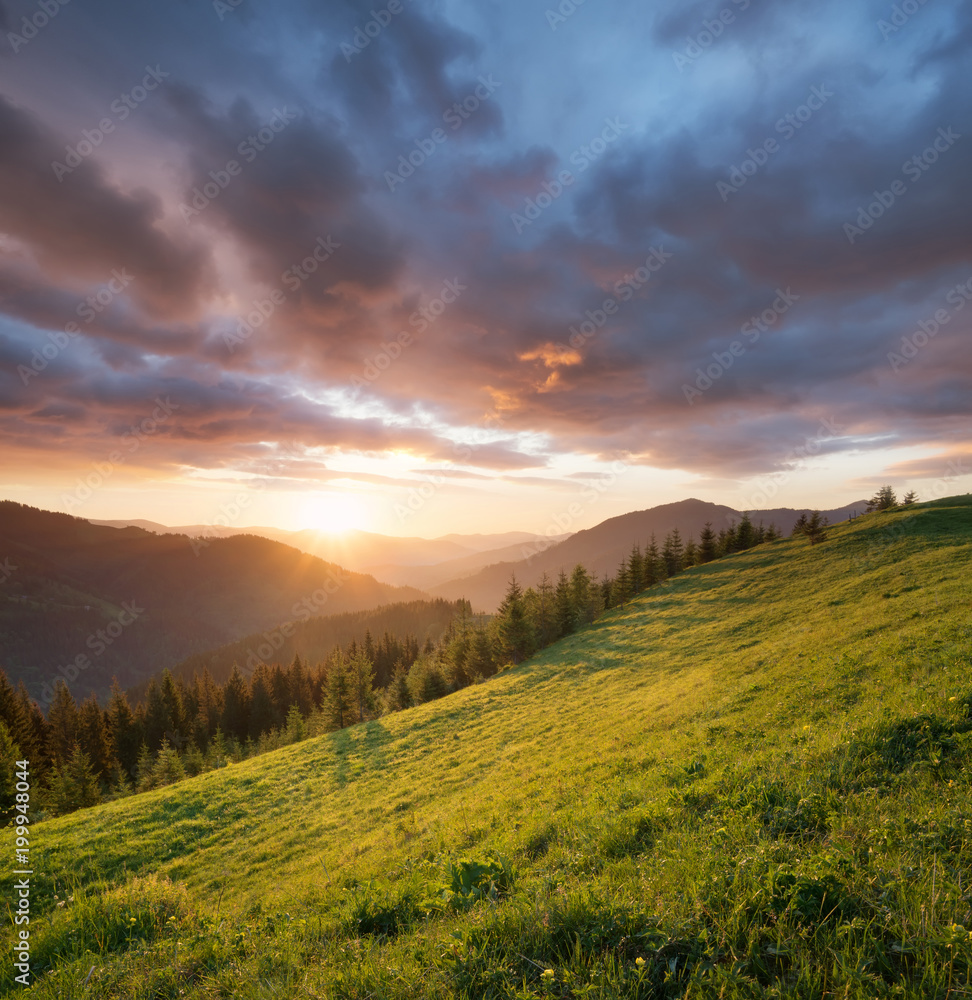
{"type": "Point", "coordinates": [300, 687]}
{"type": "Point", "coordinates": [909, 498]}
{"type": "Point", "coordinates": [565, 611]}
{"type": "Point", "coordinates": [884, 499]}
{"type": "Point", "coordinates": [362, 673]}
{"type": "Point", "coordinates": [727, 541]}
{"type": "Point", "coordinates": [125, 733]}
{"type": "Point", "coordinates": [339, 693]}
{"type": "Point", "coordinates": [262, 712]}
{"type": "Point", "coordinates": [219, 751]}
{"type": "Point", "coordinates": [800, 528]}
{"type": "Point", "coordinates": [815, 529]}
{"type": "Point", "coordinates": [15, 716]}
{"type": "Point", "coordinates": [654, 564]}
{"type": "Point", "coordinates": [707, 544]}
{"type": "Point", "coordinates": [235, 719]}
{"type": "Point", "coordinates": [691, 554]}
{"type": "Point", "coordinates": [580, 589]}
{"type": "Point", "coordinates": [621, 585]}
{"type": "Point", "coordinates": [145, 770]}
{"type": "Point", "coordinates": [295, 729]}
{"type": "Point", "coordinates": [62, 721]}
{"type": "Point", "coordinates": [168, 766]}
{"type": "Point", "coordinates": [9, 755]}
{"type": "Point", "coordinates": [673, 552]}
{"type": "Point", "coordinates": [636, 569]}
{"type": "Point", "coordinates": [176, 730]}
{"type": "Point", "coordinates": [158, 721]}
{"type": "Point", "coordinates": [745, 534]}
{"type": "Point", "coordinates": [515, 633]}
{"type": "Point", "coordinates": [34, 740]}
{"type": "Point", "coordinates": [425, 681]}
{"type": "Point", "coordinates": [94, 736]}
{"type": "Point", "coordinates": [543, 617]}
{"type": "Point", "coordinates": [210, 710]}
{"type": "Point", "coordinates": [399, 695]}
{"type": "Point", "coordinates": [281, 697]}
{"type": "Point", "coordinates": [482, 657]}
{"type": "Point", "coordinates": [73, 785]}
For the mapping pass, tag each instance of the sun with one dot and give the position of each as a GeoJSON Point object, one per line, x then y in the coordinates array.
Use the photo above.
{"type": "Point", "coordinates": [333, 513]}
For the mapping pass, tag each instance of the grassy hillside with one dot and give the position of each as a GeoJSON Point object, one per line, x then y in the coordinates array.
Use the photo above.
{"type": "Point", "coordinates": [753, 782]}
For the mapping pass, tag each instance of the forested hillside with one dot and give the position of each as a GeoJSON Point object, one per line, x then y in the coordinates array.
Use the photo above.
{"type": "Point", "coordinates": [87, 602]}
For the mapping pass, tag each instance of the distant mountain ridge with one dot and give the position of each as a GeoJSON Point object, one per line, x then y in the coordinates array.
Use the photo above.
{"type": "Point", "coordinates": [601, 548]}
{"type": "Point", "coordinates": [394, 559]}
{"type": "Point", "coordinates": [85, 601]}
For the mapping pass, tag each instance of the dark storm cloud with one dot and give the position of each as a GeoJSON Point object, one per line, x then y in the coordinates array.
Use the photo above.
{"type": "Point", "coordinates": [83, 227]}
{"type": "Point", "coordinates": [846, 110]}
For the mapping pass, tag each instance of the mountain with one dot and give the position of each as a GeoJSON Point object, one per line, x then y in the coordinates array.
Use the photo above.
{"type": "Point", "coordinates": [365, 551]}
{"type": "Point", "coordinates": [426, 577]}
{"type": "Point", "coordinates": [754, 781]}
{"type": "Point", "coordinates": [602, 547]}
{"type": "Point", "coordinates": [85, 601]}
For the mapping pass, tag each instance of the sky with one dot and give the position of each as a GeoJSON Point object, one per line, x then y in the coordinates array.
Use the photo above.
{"type": "Point", "coordinates": [451, 266]}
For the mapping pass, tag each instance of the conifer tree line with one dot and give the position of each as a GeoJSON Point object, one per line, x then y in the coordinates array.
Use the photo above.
{"type": "Point", "coordinates": [82, 754]}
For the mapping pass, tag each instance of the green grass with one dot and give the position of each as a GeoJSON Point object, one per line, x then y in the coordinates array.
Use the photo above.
{"type": "Point", "coordinates": [752, 782]}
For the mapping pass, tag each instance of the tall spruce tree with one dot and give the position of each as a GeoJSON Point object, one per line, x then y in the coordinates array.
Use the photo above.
{"type": "Point", "coordinates": [362, 673]}
{"type": "Point", "coordinates": [745, 533]}
{"type": "Point", "coordinates": [235, 717]}
{"type": "Point", "coordinates": [95, 737]}
{"type": "Point", "coordinates": [565, 611]}
{"type": "Point", "coordinates": [515, 633]}
{"type": "Point", "coordinates": [62, 721]}
{"type": "Point", "coordinates": [73, 784]}
{"type": "Point", "coordinates": [339, 699]}
{"type": "Point", "coordinates": [707, 544]}
{"type": "Point", "coordinates": [673, 552]}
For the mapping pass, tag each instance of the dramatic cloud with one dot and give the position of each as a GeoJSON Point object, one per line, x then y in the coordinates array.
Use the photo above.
{"type": "Point", "coordinates": [491, 243]}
